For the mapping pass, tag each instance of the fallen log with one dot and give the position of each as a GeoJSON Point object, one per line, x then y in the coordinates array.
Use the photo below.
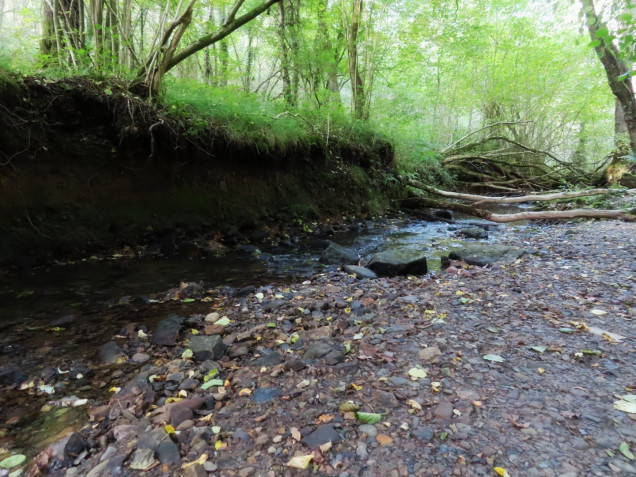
{"type": "Point", "coordinates": [530, 215]}
{"type": "Point", "coordinates": [484, 199]}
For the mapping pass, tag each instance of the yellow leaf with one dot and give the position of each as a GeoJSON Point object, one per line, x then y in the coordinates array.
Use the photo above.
{"type": "Point", "coordinates": [245, 392]}
{"type": "Point", "coordinates": [347, 310]}
{"type": "Point", "coordinates": [501, 471]}
{"type": "Point", "coordinates": [414, 404]}
{"type": "Point", "coordinates": [201, 460]}
{"type": "Point", "coordinates": [355, 387]}
{"type": "Point", "coordinates": [477, 403]}
{"type": "Point", "coordinates": [324, 448]}
{"type": "Point", "coordinates": [541, 370]}
{"type": "Point", "coordinates": [430, 312]}
{"type": "Point", "coordinates": [114, 389]}
{"type": "Point", "coordinates": [169, 429]}
{"type": "Point", "coordinates": [300, 461]}
{"type": "Point", "coordinates": [227, 383]}
{"type": "Point", "coordinates": [183, 393]}
{"type": "Point", "coordinates": [220, 445]}
{"type": "Point", "coordinates": [295, 433]}
{"type": "Point", "coordinates": [324, 418]}
{"type": "Point", "coordinates": [384, 440]}
{"type": "Point", "coordinates": [459, 292]}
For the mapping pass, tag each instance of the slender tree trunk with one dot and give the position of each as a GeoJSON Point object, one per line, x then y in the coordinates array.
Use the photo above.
{"type": "Point", "coordinates": [284, 51]}
{"type": "Point", "coordinates": [614, 67]}
{"type": "Point", "coordinates": [249, 62]}
{"type": "Point", "coordinates": [1, 13]}
{"type": "Point", "coordinates": [357, 85]}
{"type": "Point", "coordinates": [127, 48]}
{"type": "Point", "coordinates": [48, 43]}
{"type": "Point", "coordinates": [97, 16]}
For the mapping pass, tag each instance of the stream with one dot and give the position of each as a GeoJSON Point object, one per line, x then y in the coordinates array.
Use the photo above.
{"type": "Point", "coordinates": [55, 318]}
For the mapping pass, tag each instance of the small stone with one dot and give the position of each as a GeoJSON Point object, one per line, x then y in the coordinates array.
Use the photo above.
{"type": "Point", "coordinates": [195, 470]}
{"type": "Point", "coordinates": [368, 429]}
{"type": "Point", "coordinates": [140, 357]}
{"type": "Point", "coordinates": [261, 395]}
{"type": "Point", "coordinates": [207, 347]}
{"type": "Point", "coordinates": [246, 471]}
{"type": "Point", "coordinates": [111, 353]}
{"type": "Point", "coordinates": [321, 436]}
{"type": "Point", "coordinates": [444, 410]}
{"type": "Point", "coordinates": [424, 434]}
{"type": "Point", "coordinates": [142, 459]}
{"type": "Point", "coordinates": [432, 354]}
{"type": "Point", "coordinates": [212, 317]}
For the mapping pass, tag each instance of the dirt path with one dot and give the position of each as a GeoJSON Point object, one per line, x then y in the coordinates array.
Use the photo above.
{"type": "Point", "coordinates": [300, 361]}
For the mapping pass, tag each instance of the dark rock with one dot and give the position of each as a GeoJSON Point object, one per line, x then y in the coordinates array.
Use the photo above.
{"type": "Point", "coordinates": [245, 291]}
{"type": "Point", "coordinates": [195, 470]}
{"type": "Point", "coordinates": [398, 262]}
{"type": "Point", "coordinates": [258, 235]}
{"type": "Point", "coordinates": [251, 250]}
{"type": "Point", "coordinates": [335, 254]}
{"type": "Point", "coordinates": [321, 436]}
{"type": "Point", "coordinates": [111, 353]}
{"type": "Point", "coordinates": [178, 414]}
{"type": "Point", "coordinates": [487, 254]}
{"type": "Point", "coordinates": [66, 450]}
{"type": "Point", "coordinates": [167, 451]}
{"type": "Point", "coordinates": [207, 347]}
{"type": "Point", "coordinates": [269, 358]}
{"type": "Point", "coordinates": [64, 321]}
{"type": "Point", "coordinates": [424, 434]}
{"type": "Point", "coordinates": [473, 233]}
{"type": "Point", "coordinates": [360, 272]}
{"type": "Point", "coordinates": [167, 331]}
{"type": "Point", "coordinates": [142, 459]}
{"type": "Point", "coordinates": [628, 180]}
{"type": "Point", "coordinates": [444, 214]}
{"type": "Point", "coordinates": [12, 376]}
{"type": "Point", "coordinates": [318, 244]}
{"type": "Point", "coordinates": [325, 351]}
{"type": "Point", "coordinates": [265, 394]}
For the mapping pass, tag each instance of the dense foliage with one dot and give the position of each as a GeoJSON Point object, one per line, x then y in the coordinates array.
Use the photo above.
{"type": "Point", "coordinates": [426, 73]}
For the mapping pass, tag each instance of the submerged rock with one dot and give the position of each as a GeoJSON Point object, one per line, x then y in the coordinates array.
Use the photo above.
{"type": "Point", "coordinates": [111, 353]}
{"type": "Point", "coordinates": [473, 233]}
{"type": "Point", "coordinates": [398, 262]}
{"type": "Point", "coordinates": [207, 347]}
{"type": "Point", "coordinates": [336, 254]}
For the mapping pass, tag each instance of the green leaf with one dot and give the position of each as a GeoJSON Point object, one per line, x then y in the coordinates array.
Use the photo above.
{"type": "Point", "coordinates": [187, 354]}
{"type": "Point", "coordinates": [12, 461]}
{"type": "Point", "coordinates": [187, 300]}
{"type": "Point", "coordinates": [624, 448]}
{"type": "Point", "coordinates": [108, 91]}
{"type": "Point", "coordinates": [494, 358]}
{"type": "Point", "coordinates": [566, 330]}
{"type": "Point", "coordinates": [443, 435]}
{"type": "Point", "coordinates": [212, 382]}
{"type": "Point", "coordinates": [368, 417]}
{"type": "Point", "coordinates": [271, 325]}
{"type": "Point", "coordinates": [594, 44]}
{"type": "Point", "coordinates": [222, 321]}
{"type": "Point", "coordinates": [601, 32]}
{"type": "Point", "coordinates": [625, 17]}
{"type": "Point", "coordinates": [538, 349]}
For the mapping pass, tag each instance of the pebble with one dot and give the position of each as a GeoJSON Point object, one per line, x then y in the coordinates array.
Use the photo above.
{"type": "Point", "coordinates": [368, 429]}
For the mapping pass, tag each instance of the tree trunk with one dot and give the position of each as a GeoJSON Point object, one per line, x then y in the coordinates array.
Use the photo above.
{"type": "Point", "coordinates": [47, 43]}
{"type": "Point", "coordinates": [97, 17]}
{"type": "Point", "coordinates": [1, 13]}
{"type": "Point", "coordinates": [284, 52]}
{"type": "Point", "coordinates": [357, 86]}
{"type": "Point", "coordinates": [615, 69]}
{"type": "Point", "coordinates": [127, 47]}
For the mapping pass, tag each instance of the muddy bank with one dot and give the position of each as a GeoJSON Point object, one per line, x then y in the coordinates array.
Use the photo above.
{"type": "Point", "coordinates": [88, 166]}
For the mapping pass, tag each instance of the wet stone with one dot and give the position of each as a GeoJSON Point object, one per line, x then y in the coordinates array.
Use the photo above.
{"type": "Point", "coordinates": [207, 347]}
{"type": "Point", "coordinates": [167, 331]}
{"type": "Point", "coordinates": [142, 459]}
{"type": "Point", "coordinates": [195, 470]}
{"type": "Point", "coordinates": [444, 410]}
{"type": "Point", "coordinates": [360, 272]}
{"type": "Point", "coordinates": [261, 395]}
{"type": "Point", "coordinates": [424, 434]}
{"type": "Point", "coordinates": [431, 354]}
{"type": "Point", "coordinates": [111, 353]}
{"type": "Point", "coordinates": [140, 357]}
{"type": "Point", "coordinates": [268, 359]}
{"type": "Point", "coordinates": [321, 436]}
{"type": "Point", "coordinates": [323, 350]}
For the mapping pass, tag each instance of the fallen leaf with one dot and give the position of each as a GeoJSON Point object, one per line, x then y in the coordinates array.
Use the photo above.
{"type": "Point", "coordinates": [519, 425]}
{"type": "Point", "coordinates": [417, 373]}
{"type": "Point", "coordinates": [538, 349]}
{"type": "Point", "coordinates": [597, 312]}
{"type": "Point", "coordinates": [494, 358]}
{"type": "Point", "coordinates": [300, 461]}
{"type": "Point", "coordinates": [295, 433]}
{"type": "Point", "coordinates": [324, 418]}
{"type": "Point", "coordinates": [222, 321]}
{"type": "Point", "coordinates": [355, 387]}
{"type": "Point", "coordinates": [625, 406]}
{"type": "Point", "coordinates": [212, 382]}
{"type": "Point", "coordinates": [368, 417]}
{"type": "Point", "coordinates": [12, 461]}
{"type": "Point", "coordinates": [348, 407]}
{"type": "Point", "coordinates": [201, 460]}
{"type": "Point", "coordinates": [414, 404]}
{"type": "Point", "coordinates": [220, 445]}
{"type": "Point", "coordinates": [245, 392]}
{"type": "Point", "coordinates": [624, 448]}
{"type": "Point", "coordinates": [324, 448]}
{"type": "Point", "coordinates": [169, 429]}
{"type": "Point", "coordinates": [541, 370]}
{"type": "Point", "coordinates": [501, 471]}
{"type": "Point", "coordinates": [384, 440]}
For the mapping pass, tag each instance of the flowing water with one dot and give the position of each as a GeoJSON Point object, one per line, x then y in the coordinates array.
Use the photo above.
{"type": "Point", "coordinates": [100, 296]}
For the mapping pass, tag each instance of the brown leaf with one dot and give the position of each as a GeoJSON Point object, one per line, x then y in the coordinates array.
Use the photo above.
{"type": "Point", "coordinates": [518, 425]}
{"type": "Point", "coordinates": [384, 440]}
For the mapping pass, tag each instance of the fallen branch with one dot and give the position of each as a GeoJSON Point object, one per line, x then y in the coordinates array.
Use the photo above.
{"type": "Point", "coordinates": [532, 215]}
{"type": "Point", "coordinates": [483, 199]}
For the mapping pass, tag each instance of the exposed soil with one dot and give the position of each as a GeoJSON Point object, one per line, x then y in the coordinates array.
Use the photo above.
{"type": "Point", "coordinates": [87, 166]}
{"type": "Point", "coordinates": [556, 329]}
